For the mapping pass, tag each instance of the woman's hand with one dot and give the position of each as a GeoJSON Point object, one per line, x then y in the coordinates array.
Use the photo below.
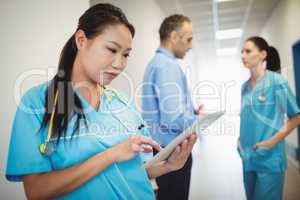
{"type": "Point", "coordinates": [264, 144]}
{"type": "Point", "coordinates": [176, 160]}
{"type": "Point", "coordinates": [290, 125]}
{"type": "Point", "coordinates": [130, 147]}
{"type": "Point", "coordinates": [181, 153]}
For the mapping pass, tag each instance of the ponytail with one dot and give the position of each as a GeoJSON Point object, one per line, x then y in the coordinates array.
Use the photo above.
{"type": "Point", "coordinates": [273, 60]}
{"type": "Point", "coordinates": [68, 102]}
{"type": "Point", "coordinates": [67, 58]}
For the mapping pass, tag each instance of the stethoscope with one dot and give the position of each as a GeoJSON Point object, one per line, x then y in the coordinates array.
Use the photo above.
{"type": "Point", "coordinates": [126, 125]}
{"type": "Point", "coordinates": [262, 96]}
{"type": "Point", "coordinates": [262, 99]}
{"type": "Point", "coordinates": [47, 148]}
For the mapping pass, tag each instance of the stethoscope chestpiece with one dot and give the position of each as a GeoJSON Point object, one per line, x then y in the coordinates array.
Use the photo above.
{"type": "Point", "coordinates": [262, 98]}
{"type": "Point", "coordinates": [47, 148]}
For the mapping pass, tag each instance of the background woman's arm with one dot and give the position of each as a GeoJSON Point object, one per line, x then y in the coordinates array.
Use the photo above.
{"type": "Point", "coordinates": [288, 127]}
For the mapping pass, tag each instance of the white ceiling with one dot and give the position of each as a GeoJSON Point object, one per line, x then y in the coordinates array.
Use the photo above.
{"type": "Point", "coordinates": [208, 16]}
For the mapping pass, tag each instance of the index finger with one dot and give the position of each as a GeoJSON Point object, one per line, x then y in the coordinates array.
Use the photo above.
{"type": "Point", "coordinates": [149, 141]}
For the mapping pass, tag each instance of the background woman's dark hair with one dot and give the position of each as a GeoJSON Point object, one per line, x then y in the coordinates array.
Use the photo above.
{"type": "Point", "coordinates": [92, 22]}
{"type": "Point", "coordinates": [273, 59]}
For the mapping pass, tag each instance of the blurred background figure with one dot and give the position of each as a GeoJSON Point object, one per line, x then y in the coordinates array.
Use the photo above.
{"type": "Point", "coordinates": [167, 102]}
{"type": "Point", "coordinates": [266, 100]}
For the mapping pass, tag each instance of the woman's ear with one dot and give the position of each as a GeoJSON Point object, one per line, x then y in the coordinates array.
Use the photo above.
{"type": "Point", "coordinates": [80, 39]}
{"type": "Point", "coordinates": [264, 54]}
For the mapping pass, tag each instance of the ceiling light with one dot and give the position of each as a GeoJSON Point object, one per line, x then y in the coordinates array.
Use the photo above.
{"type": "Point", "coordinates": [223, 0]}
{"type": "Point", "coordinates": [229, 33]}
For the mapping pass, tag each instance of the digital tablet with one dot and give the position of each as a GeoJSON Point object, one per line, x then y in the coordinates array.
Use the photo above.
{"type": "Point", "coordinates": [197, 127]}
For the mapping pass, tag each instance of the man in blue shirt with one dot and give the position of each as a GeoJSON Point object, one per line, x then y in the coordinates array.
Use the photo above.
{"type": "Point", "coordinates": [166, 101]}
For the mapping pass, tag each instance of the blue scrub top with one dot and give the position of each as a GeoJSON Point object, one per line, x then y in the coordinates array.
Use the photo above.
{"type": "Point", "coordinates": [259, 121]}
{"type": "Point", "coordinates": [124, 180]}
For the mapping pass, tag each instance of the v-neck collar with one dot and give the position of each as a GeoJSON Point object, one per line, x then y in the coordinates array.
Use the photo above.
{"type": "Point", "coordinates": [260, 80]}
{"type": "Point", "coordinates": [87, 105]}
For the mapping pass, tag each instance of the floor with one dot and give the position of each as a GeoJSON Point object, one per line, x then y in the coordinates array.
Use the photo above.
{"type": "Point", "coordinates": [216, 172]}
{"type": "Point", "coordinates": [292, 183]}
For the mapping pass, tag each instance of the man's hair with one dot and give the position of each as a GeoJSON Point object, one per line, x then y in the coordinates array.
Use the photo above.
{"type": "Point", "coordinates": [171, 23]}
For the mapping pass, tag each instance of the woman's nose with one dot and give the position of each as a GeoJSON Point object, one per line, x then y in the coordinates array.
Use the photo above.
{"type": "Point", "coordinates": [117, 63]}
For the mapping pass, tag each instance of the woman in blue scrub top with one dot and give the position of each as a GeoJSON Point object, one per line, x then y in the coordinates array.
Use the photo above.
{"type": "Point", "coordinates": [266, 100]}
{"type": "Point", "coordinates": [73, 138]}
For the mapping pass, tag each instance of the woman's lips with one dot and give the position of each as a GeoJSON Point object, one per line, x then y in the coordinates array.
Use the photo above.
{"type": "Point", "coordinates": [111, 75]}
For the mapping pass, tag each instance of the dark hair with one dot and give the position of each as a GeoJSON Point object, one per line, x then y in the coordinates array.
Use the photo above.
{"type": "Point", "coordinates": [92, 22]}
{"type": "Point", "coordinates": [171, 23]}
{"type": "Point", "coordinates": [272, 59]}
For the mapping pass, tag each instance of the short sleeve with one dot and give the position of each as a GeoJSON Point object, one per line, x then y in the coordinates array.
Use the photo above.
{"type": "Point", "coordinates": [287, 100]}
{"type": "Point", "coordinates": [24, 156]}
{"type": "Point", "coordinates": [243, 92]}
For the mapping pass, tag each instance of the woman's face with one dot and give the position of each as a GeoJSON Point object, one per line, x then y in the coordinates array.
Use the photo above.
{"type": "Point", "coordinates": [104, 57]}
{"type": "Point", "coordinates": [252, 56]}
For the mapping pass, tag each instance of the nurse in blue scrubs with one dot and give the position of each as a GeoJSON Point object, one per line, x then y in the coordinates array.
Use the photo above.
{"type": "Point", "coordinates": [266, 101]}
{"type": "Point", "coordinates": [74, 137]}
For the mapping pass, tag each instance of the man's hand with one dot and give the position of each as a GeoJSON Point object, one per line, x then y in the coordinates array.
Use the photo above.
{"type": "Point", "coordinates": [200, 109]}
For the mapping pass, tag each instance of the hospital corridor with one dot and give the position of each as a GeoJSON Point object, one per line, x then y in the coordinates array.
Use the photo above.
{"type": "Point", "coordinates": [150, 99]}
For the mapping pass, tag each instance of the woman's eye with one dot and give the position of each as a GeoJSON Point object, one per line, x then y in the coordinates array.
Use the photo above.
{"type": "Point", "coordinates": [112, 50]}
{"type": "Point", "coordinates": [126, 55]}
